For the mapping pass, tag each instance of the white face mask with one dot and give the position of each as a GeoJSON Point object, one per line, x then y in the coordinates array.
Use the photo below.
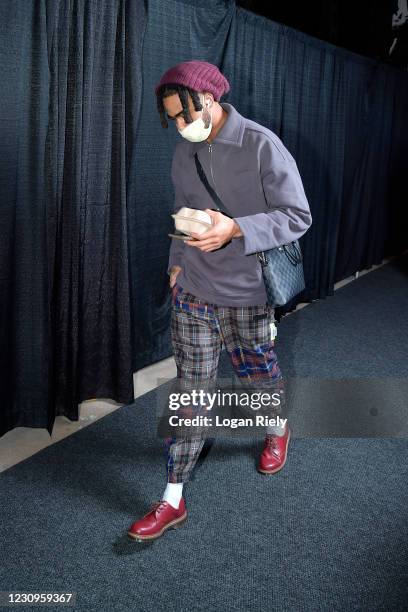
{"type": "Point", "coordinates": [196, 131]}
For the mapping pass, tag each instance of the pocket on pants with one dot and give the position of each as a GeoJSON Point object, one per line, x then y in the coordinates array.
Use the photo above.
{"type": "Point", "coordinates": [254, 326]}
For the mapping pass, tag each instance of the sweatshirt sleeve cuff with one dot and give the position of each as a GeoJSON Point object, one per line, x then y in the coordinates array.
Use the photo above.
{"type": "Point", "coordinates": [246, 229]}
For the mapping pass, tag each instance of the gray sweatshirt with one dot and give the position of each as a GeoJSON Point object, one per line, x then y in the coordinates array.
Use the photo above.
{"type": "Point", "coordinates": [258, 182]}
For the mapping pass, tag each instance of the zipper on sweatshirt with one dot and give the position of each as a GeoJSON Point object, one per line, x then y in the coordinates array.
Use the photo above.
{"type": "Point", "coordinates": [215, 188]}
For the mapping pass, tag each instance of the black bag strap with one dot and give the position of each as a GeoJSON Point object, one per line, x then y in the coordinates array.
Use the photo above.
{"type": "Point", "coordinates": [295, 257]}
{"type": "Point", "coordinates": [215, 197]}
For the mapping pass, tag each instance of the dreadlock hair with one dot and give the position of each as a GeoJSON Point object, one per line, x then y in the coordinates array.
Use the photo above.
{"type": "Point", "coordinates": [169, 89]}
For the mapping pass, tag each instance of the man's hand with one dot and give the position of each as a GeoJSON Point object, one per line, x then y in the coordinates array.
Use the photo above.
{"type": "Point", "coordinates": [224, 229]}
{"type": "Point", "coordinates": [174, 270]}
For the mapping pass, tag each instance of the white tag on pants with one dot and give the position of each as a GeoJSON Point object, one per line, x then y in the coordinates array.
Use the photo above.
{"type": "Point", "coordinates": [274, 331]}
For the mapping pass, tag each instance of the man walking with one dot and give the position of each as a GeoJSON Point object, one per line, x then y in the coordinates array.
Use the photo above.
{"type": "Point", "coordinates": [218, 294]}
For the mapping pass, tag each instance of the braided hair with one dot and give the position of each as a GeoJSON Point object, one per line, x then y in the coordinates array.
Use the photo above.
{"type": "Point", "coordinates": [169, 89]}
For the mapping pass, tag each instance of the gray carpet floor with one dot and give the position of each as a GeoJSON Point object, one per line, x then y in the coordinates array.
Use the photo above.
{"type": "Point", "coordinates": [328, 532]}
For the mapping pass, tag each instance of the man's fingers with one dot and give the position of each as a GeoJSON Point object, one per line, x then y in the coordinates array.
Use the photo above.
{"type": "Point", "coordinates": [208, 234]}
{"type": "Point", "coordinates": [173, 280]}
{"type": "Point", "coordinates": [207, 247]}
{"type": "Point", "coordinates": [204, 243]}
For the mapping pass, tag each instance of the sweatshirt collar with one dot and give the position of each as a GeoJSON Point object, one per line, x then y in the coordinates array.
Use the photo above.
{"type": "Point", "coordinates": [231, 133]}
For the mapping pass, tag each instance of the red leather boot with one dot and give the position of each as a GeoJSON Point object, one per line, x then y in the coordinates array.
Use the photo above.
{"type": "Point", "coordinates": [274, 454]}
{"type": "Point", "coordinates": [162, 516]}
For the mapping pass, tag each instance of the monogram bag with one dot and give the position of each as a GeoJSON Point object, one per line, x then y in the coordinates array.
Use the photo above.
{"type": "Point", "coordinates": [282, 266]}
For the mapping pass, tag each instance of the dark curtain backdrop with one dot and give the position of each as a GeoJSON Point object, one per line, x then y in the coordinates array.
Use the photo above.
{"type": "Point", "coordinates": [86, 189]}
{"type": "Point", "coordinates": [69, 108]}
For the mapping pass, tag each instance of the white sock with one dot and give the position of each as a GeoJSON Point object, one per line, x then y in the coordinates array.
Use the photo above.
{"type": "Point", "coordinates": [173, 493]}
{"type": "Point", "coordinates": [276, 430]}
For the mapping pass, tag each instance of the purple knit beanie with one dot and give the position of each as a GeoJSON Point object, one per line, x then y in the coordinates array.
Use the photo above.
{"type": "Point", "coordinates": [197, 75]}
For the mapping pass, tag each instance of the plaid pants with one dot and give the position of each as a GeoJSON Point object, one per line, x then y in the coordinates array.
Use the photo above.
{"type": "Point", "coordinates": [198, 331]}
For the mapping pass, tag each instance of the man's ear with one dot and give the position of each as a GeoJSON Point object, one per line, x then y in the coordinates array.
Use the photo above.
{"type": "Point", "coordinates": [208, 100]}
